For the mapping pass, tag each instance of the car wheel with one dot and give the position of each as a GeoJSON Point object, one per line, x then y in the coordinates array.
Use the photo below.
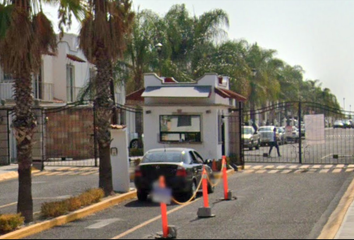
{"type": "Point", "coordinates": [211, 189]}
{"type": "Point", "coordinates": [191, 191]}
{"type": "Point", "coordinates": [142, 196]}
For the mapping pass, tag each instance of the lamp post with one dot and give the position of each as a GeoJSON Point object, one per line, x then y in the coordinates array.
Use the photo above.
{"type": "Point", "coordinates": [344, 104]}
{"type": "Point", "coordinates": [159, 51]}
{"type": "Point", "coordinates": [252, 104]}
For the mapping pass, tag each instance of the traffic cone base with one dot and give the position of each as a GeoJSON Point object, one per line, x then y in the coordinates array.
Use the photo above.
{"type": "Point", "coordinates": [205, 212]}
{"type": "Point", "coordinates": [172, 233]}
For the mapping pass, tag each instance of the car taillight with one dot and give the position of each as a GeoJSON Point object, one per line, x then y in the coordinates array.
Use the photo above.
{"type": "Point", "coordinates": [138, 172]}
{"type": "Point", "coordinates": [181, 172]}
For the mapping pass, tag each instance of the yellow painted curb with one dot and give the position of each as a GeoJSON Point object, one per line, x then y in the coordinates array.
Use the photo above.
{"type": "Point", "coordinates": [12, 175]}
{"type": "Point", "coordinates": [335, 221]}
{"type": "Point", "coordinates": [40, 227]}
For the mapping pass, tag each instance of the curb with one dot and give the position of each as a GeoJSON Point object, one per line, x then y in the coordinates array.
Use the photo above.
{"type": "Point", "coordinates": [40, 227]}
{"type": "Point", "coordinates": [335, 221]}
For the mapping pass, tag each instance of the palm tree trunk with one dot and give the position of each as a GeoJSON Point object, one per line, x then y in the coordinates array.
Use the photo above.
{"type": "Point", "coordinates": [24, 126]}
{"type": "Point", "coordinates": [104, 107]}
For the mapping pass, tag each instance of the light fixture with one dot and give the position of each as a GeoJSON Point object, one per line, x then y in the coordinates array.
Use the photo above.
{"type": "Point", "coordinates": [208, 111]}
{"type": "Point", "coordinates": [148, 112]}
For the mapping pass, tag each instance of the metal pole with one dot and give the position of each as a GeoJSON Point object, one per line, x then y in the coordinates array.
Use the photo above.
{"type": "Point", "coordinates": [300, 139]}
{"type": "Point", "coordinates": [95, 133]}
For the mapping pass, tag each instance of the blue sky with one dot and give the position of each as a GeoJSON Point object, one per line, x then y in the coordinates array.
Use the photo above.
{"type": "Point", "coordinates": [315, 34]}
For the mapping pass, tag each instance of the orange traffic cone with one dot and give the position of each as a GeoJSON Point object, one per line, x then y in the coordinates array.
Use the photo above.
{"type": "Point", "coordinates": [205, 212]}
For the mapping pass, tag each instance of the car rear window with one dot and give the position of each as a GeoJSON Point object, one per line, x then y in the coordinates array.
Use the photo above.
{"type": "Point", "coordinates": [169, 157]}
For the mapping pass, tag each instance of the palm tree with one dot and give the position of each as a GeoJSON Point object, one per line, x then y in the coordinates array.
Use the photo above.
{"type": "Point", "coordinates": [26, 34]}
{"type": "Point", "coordinates": [103, 39]}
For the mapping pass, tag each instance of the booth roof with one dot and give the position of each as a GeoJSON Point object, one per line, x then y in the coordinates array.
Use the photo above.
{"type": "Point", "coordinates": [183, 92]}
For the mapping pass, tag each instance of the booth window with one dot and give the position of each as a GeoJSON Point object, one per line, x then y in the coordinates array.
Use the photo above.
{"type": "Point", "coordinates": [180, 128]}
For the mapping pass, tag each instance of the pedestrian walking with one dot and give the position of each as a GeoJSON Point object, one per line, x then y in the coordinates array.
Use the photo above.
{"type": "Point", "coordinates": [274, 143]}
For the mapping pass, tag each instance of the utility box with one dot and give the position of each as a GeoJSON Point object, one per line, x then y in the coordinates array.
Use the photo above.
{"type": "Point", "coordinates": [120, 159]}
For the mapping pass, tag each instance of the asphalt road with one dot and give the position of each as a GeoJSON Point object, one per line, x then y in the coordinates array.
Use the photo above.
{"type": "Point", "coordinates": [337, 142]}
{"type": "Point", "coordinates": [46, 188]}
{"type": "Point", "coordinates": [277, 206]}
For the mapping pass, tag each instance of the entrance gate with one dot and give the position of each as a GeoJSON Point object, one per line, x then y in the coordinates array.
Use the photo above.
{"type": "Point", "coordinates": [306, 134]}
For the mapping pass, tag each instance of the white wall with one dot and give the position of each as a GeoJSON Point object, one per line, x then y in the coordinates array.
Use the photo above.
{"type": "Point", "coordinates": [68, 45]}
{"type": "Point", "coordinates": [209, 148]}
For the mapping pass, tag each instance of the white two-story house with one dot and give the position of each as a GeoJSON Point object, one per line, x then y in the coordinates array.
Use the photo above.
{"type": "Point", "coordinates": [62, 75]}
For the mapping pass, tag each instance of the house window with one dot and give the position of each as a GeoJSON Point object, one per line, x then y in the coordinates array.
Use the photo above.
{"type": "Point", "coordinates": [180, 128]}
{"type": "Point", "coordinates": [70, 83]}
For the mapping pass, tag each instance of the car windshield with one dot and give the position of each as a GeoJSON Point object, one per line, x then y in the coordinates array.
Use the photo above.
{"type": "Point", "coordinates": [266, 129]}
{"type": "Point", "coordinates": [168, 157]}
{"type": "Point", "coordinates": [247, 131]}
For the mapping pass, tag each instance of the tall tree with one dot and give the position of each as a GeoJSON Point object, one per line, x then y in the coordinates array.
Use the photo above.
{"type": "Point", "coordinates": [26, 34]}
{"type": "Point", "coordinates": [103, 39]}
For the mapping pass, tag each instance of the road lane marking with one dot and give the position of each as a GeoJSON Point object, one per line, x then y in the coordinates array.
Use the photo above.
{"type": "Point", "coordinates": [337, 171]}
{"type": "Point", "coordinates": [304, 166]}
{"type": "Point", "coordinates": [281, 167]}
{"type": "Point", "coordinates": [151, 221]}
{"type": "Point", "coordinates": [273, 171]}
{"type": "Point", "coordinates": [349, 170]}
{"type": "Point", "coordinates": [286, 171]}
{"type": "Point", "coordinates": [328, 166]}
{"type": "Point", "coordinates": [324, 171]}
{"type": "Point", "coordinates": [261, 171]}
{"type": "Point", "coordinates": [8, 205]}
{"type": "Point", "coordinates": [103, 223]}
{"type": "Point", "coordinates": [248, 171]}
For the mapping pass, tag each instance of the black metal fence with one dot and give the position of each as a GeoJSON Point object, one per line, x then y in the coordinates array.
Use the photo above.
{"type": "Point", "coordinates": [305, 133]}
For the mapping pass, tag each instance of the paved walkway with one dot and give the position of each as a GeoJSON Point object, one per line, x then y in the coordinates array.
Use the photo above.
{"type": "Point", "coordinates": [346, 230]}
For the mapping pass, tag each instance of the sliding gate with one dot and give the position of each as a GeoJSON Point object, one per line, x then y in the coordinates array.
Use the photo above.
{"type": "Point", "coordinates": [306, 133]}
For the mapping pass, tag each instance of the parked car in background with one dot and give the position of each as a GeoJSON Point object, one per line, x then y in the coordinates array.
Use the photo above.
{"type": "Point", "coordinates": [181, 167]}
{"type": "Point", "coordinates": [267, 134]}
{"type": "Point", "coordinates": [338, 124]}
{"type": "Point", "coordinates": [251, 138]}
{"type": "Point", "coordinates": [292, 134]}
{"type": "Point", "coordinates": [347, 124]}
{"type": "Point", "coordinates": [303, 130]}
{"type": "Point", "coordinates": [282, 136]}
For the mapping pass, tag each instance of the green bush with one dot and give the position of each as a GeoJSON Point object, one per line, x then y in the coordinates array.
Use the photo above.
{"type": "Point", "coordinates": [86, 199]}
{"type": "Point", "coordinates": [54, 209]}
{"type": "Point", "coordinates": [97, 194]}
{"type": "Point", "coordinates": [74, 204]}
{"type": "Point", "coordinates": [10, 222]}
